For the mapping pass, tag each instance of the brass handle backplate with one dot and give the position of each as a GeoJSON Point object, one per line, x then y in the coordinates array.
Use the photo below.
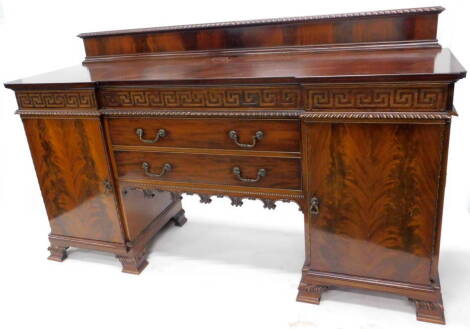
{"type": "Point", "coordinates": [234, 136]}
{"type": "Point", "coordinates": [160, 134]}
{"type": "Point", "coordinates": [108, 186]}
{"type": "Point", "coordinates": [314, 206]}
{"type": "Point", "coordinates": [166, 168]}
{"type": "Point", "coordinates": [237, 172]}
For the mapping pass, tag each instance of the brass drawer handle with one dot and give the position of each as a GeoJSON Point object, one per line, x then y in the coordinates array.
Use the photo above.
{"type": "Point", "coordinates": [237, 172]}
{"type": "Point", "coordinates": [166, 168]}
{"type": "Point", "coordinates": [108, 186]}
{"type": "Point", "coordinates": [234, 136]}
{"type": "Point", "coordinates": [314, 206]}
{"type": "Point", "coordinates": [160, 134]}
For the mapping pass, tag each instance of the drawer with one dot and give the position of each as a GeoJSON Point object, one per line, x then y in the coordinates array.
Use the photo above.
{"type": "Point", "coordinates": [268, 172]}
{"type": "Point", "coordinates": [259, 135]}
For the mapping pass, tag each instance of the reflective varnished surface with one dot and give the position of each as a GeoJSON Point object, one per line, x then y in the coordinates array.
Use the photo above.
{"type": "Point", "coordinates": [75, 178]}
{"type": "Point", "coordinates": [378, 190]}
{"type": "Point", "coordinates": [348, 115]}
{"type": "Point", "coordinates": [303, 66]}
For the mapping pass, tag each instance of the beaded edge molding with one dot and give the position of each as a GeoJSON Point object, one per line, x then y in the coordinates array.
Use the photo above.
{"type": "Point", "coordinates": [206, 197]}
{"type": "Point", "coordinates": [377, 115]}
{"type": "Point", "coordinates": [435, 9]}
{"type": "Point", "coordinates": [74, 113]}
{"type": "Point", "coordinates": [248, 114]}
{"type": "Point", "coordinates": [176, 113]}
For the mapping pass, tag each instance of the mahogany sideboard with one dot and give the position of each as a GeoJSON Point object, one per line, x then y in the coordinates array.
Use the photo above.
{"type": "Point", "coordinates": [347, 115]}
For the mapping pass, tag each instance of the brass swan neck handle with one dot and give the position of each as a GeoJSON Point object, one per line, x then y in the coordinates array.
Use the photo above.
{"type": "Point", "coordinates": [237, 172]}
{"type": "Point", "coordinates": [233, 134]}
{"type": "Point", "coordinates": [166, 168]}
{"type": "Point", "coordinates": [160, 134]}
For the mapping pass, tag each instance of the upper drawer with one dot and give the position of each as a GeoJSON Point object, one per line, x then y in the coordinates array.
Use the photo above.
{"type": "Point", "coordinates": [259, 135]}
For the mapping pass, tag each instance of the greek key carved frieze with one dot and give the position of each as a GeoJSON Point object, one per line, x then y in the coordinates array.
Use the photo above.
{"type": "Point", "coordinates": [380, 97]}
{"type": "Point", "coordinates": [56, 99]}
{"type": "Point", "coordinates": [285, 97]}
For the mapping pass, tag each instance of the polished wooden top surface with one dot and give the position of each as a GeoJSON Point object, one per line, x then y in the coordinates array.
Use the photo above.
{"type": "Point", "coordinates": [305, 66]}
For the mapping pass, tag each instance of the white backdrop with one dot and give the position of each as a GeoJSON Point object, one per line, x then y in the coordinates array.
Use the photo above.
{"type": "Point", "coordinates": [230, 269]}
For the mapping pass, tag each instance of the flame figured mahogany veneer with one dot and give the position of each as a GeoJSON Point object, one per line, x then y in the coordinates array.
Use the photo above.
{"type": "Point", "coordinates": [347, 115]}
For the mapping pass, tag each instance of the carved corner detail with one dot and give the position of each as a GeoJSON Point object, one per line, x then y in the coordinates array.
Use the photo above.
{"type": "Point", "coordinates": [204, 198]}
{"type": "Point", "coordinates": [310, 293]}
{"type": "Point", "coordinates": [236, 201]}
{"type": "Point", "coordinates": [133, 264]}
{"type": "Point", "coordinates": [429, 311]}
{"type": "Point", "coordinates": [58, 254]}
{"type": "Point", "coordinates": [179, 219]}
{"type": "Point", "coordinates": [269, 202]}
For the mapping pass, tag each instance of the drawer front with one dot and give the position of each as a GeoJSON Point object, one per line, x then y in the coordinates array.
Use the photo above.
{"type": "Point", "coordinates": [258, 135]}
{"type": "Point", "coordinates": [267, 172]}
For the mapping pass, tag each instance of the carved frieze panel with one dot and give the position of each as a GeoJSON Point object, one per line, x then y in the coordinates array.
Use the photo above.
{"type": "Point", "coordinates": [431, 97]}
{"type": "Point", "coordinates": [283, 97]}
{"type": "Point", "coordinates": [56, 99]}
{"type": "Point", "coordinates": [236, 201]}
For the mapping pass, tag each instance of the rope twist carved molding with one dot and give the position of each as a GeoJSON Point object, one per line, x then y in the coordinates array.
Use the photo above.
{"type": "Point", "coordinates": [229, 114]}
{"type": "Point", "coordinates": [393, 98]}
{"type": "Point", "coordinates": [58, 113]}
{"type": "Point", "coordinates": [50, 99]}
{"type": "Point", "coordinates": [376, 115]}
{"type": "Point", "coordinates": [212, 97]}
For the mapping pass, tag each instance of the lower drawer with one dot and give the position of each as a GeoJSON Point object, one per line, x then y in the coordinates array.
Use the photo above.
{"type": "Point", "coordinates": [267, 172]}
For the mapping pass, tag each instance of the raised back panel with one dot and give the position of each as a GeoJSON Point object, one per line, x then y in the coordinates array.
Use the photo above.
{"type": "Point", "coordinates": [391, 26]}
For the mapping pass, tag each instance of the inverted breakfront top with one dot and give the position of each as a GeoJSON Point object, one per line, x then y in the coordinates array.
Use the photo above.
{"type": "Point", "coordinates": [379, 46]}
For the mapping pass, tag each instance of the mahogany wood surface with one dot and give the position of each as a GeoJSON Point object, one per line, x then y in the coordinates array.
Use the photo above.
{"type": "Point", "coordinates": [72, 168]}
{"type": "Point", "coordinates": [379, 187]}
{"type": "Point", "coordinates": [278, 135]}
{"type": "Point", "coordinates": [140, 209]}
{"type": "Point", "coordinates": [347, 115]}
{"type": "Point", "coordinates": [294, 66]}
{"type": "Point", "coordinates": [410, 25]}
{"type": "Point", "coordinates": [201, 168]}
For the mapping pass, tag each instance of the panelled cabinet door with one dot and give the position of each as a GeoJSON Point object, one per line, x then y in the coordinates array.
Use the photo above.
{"type": "Point", "coordinates": [373, 193]}
{"type": "Point", "coordinates": [70, 160]}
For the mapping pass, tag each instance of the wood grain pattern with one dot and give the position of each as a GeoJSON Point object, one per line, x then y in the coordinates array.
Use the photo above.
{"type": "Point", "coordinates": [300, 19]}
{"type": "Point", "coordinates": [188, 168]}
{"type": "Point", "coordinates": [348, 115]}
{"type": "Point", "coordinates": [140, 211]}
{"type": "Point", "coordinates": [69, 157]}
{"type": "Point", "coordinates": [378, 188]}
{"type": "Point", "coordinates": [392, 26]}
{"type": "Point", "coordinates": [279, 135]}
{"type": "Point", "coordinates": [266, 68]}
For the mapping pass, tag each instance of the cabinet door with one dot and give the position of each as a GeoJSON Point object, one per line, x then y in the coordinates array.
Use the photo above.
{"type": "Point", "coordinates": [70, 160]}
{"type": "Point", "coordinates": [378, 192]}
